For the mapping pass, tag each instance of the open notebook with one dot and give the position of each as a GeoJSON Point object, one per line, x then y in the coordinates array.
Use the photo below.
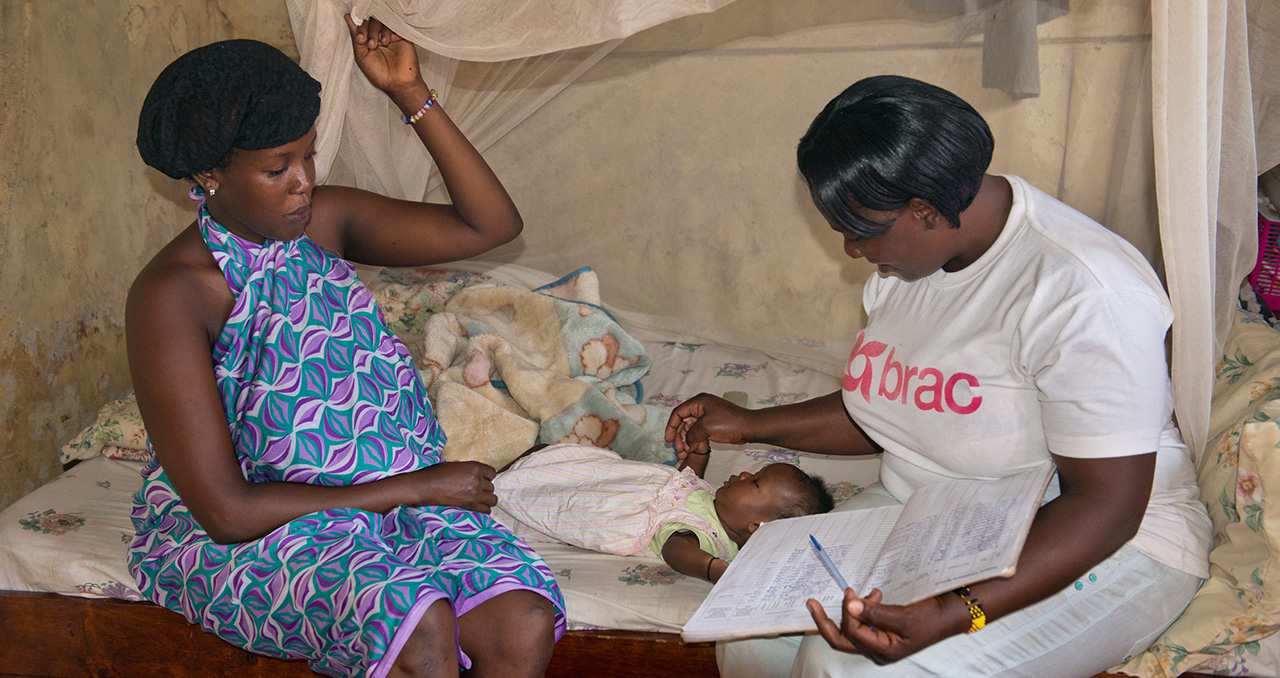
{"type": "Point", "coordinates": [945, 536]}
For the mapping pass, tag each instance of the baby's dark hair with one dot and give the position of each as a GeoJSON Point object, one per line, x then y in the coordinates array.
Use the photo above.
{"type": "Point", "coordinates": [810, 496]}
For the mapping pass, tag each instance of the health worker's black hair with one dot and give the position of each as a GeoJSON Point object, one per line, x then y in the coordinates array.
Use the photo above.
{"type": "Point", "coordinates": [887, 139]}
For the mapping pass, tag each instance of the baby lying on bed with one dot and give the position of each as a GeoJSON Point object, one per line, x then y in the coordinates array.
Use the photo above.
{"type": "Point", "coordinates": [594, 499]}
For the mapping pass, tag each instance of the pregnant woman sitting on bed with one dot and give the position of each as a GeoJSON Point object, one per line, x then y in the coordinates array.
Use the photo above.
{"type": "Point", "coordinates": [297, 505]}
{"type": "Point", "coordinates": [1004, 331]}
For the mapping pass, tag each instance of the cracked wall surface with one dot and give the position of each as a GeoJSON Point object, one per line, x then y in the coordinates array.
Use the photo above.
{"type": "Point", "coordinates": [80, 214]}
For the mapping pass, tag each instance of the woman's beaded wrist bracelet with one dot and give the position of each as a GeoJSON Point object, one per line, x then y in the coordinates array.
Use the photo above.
{"type": "Point", "coordinates": [431, 101]}
{"type": "Point", "coordinates": [976, 613]}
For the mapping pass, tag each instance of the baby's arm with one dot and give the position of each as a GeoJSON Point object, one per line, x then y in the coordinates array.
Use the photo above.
{"type": "Point", "coordinates": [683, 553]}
{"type": "Point", "coordinates": [697, 460]}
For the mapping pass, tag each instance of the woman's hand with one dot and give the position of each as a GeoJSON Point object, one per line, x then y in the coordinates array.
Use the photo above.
{"type": "Point", "coordinates": [464, 484]}
{"type": "Point", "coordinates": [887, 633]}
{"type": "Point", "coordinates": [389, 61]}
{"type": "Point", "coordinates": [703, 419]}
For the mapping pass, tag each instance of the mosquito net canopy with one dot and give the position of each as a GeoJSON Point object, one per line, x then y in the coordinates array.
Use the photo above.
{"type": "Point", "coordinates": [654, 141]}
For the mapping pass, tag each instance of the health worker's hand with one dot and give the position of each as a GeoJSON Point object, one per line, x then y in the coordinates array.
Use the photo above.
{"type": "Point", "coordinates": [704, 419]}
{"type": "Point", "coordinates": [885, 633]}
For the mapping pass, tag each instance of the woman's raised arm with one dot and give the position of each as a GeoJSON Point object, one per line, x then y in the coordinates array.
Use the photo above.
{"type": "Point", "coordinates": [377, 230]}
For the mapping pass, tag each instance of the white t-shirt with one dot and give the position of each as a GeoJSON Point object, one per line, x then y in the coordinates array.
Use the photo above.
{"type": "Point", "coordinates": [1052, 340]}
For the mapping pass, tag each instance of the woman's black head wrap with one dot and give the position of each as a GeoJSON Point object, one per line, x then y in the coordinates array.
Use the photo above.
{"type": "Point", "coordinates": [231, 94]}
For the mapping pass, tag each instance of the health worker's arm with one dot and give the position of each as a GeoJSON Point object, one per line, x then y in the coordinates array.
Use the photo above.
{"type": "Point", "coordinates": [1100, 509]}
{"type": "Point", "coordinates": [820, 425]}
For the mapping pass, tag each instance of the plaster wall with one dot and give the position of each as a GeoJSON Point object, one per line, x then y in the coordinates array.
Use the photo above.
{"type": "Point", "coordinates": [79, 212]}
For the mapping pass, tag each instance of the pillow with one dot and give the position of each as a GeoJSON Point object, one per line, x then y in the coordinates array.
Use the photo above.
{"type": "Point", "coordinates": [1244, 384]}
{"type": "Point", "coordinates": [1239, 604]}
{"type": "Point", "coordinates": [1248, 373]}
{"type": "Point", "coordinates": [117, 433]}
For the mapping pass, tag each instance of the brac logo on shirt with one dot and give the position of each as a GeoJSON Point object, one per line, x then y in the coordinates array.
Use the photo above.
{"type": "Point", "coordinates": [928, 388]}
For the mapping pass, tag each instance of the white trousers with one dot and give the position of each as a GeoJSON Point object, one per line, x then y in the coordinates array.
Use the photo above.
{"type": "Point", "coordinates": [1116, 610]}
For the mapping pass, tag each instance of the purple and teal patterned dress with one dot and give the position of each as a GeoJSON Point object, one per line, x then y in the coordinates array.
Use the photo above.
{"type": "Point", "coordinates": [317, 390]}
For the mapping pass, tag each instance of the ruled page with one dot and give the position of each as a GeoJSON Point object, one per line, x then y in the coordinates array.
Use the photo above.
{"type": "Point", "coordinates": [764, 590]}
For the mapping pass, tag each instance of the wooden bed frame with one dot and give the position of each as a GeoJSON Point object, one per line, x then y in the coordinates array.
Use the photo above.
{"type": "Point", "coordinates": [45, 635]}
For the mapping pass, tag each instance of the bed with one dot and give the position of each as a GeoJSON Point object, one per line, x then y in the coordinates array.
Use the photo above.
{"type": "Point", "coordinates": [68, 606]}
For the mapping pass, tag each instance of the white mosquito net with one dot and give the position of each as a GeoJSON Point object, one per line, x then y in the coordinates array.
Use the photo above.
{"type": "Point", "coordinates": [1153, 118]}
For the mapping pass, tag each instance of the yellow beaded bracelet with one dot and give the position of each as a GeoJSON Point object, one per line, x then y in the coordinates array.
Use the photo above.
{"type": "Point", "coordinates": [976, 612]}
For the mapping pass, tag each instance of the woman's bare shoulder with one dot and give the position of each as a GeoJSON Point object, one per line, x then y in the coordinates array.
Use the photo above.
{"type": "Point", "coordinates": [182, 281]}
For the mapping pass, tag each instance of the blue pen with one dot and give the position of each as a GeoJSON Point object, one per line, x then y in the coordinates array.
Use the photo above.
{"type": "Point", "coordinates": [826, 562]}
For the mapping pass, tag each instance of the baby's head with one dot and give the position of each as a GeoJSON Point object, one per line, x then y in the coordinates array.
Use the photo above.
{"type": "Point", "coordinates": [774, 492]}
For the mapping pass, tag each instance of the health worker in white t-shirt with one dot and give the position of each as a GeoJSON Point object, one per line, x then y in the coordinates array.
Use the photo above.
{"type": "Point", "coordinates": [1005, 330]}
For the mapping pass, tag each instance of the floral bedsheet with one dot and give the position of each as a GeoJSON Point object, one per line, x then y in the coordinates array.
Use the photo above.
{"type": "Point", "coordinates": [72, 535]}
